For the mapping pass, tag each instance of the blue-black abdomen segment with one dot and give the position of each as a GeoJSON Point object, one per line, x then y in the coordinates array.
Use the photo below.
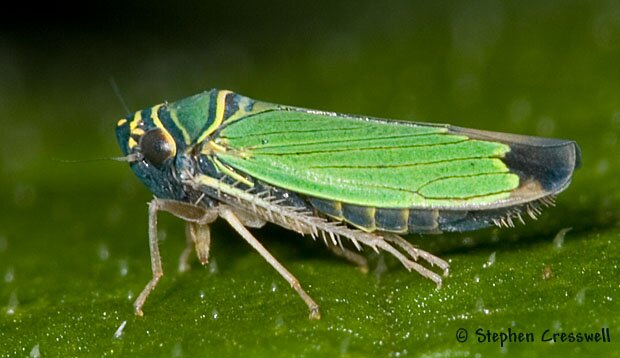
{"type": "Point", "coordinates": [395, 220]}
{"type": "Point", "coordinates": [380, 219]}
{"type": "Point", "coordinates": [424, 221]}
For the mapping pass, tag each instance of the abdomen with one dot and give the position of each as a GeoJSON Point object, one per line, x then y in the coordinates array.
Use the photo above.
{"type": "Point", "coordinates": [428, 221]}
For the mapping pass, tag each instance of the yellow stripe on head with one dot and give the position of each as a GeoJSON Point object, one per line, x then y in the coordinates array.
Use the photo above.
{"type": "Point", "coordinates": [155, 116]}
{"type": "Point", "coordinates": [137, 118]}
{"type": "Point", "coordinates": [160, 125]}
{"type": "Point", "coordinates": [133, 129]}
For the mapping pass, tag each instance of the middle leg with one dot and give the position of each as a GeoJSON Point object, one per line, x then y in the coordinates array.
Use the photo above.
{"type": "Point", "coordinates": [198, 237]}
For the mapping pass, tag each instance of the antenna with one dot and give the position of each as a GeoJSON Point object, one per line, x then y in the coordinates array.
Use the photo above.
{"type": "Point", "coordinates": [118, 95]}
{"type": "Point", "coordinates": [134, 157]}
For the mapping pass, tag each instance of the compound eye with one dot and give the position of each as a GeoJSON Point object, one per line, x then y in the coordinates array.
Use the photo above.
{"type": "Point", "coordinates": [157, 146]}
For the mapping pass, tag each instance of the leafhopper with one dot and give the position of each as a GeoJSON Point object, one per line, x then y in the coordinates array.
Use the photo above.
{"type": "Point", "coordinates": [352, 181]}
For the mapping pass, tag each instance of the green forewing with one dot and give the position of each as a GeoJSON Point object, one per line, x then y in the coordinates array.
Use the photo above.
{"type": "Point", "coordinates": [367, 162]}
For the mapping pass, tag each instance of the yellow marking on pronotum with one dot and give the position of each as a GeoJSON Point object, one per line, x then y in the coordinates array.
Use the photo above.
{"type": "Point", "coordinates": [177, 122]}
{"type": "Point", "coordinates": [121, 122]}
{"type": "Point", "coordinates": [132, 142]}
{"type": "Point", "coordinates": [220, 107]}
{"type": "Point", "coordinates": [240, 112]}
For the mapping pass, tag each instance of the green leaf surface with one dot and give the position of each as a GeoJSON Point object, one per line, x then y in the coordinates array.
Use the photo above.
{"type": "Point", "coordinates": [73, 236]}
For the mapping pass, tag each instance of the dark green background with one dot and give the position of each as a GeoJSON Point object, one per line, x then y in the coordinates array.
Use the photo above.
{"type": "Point", "coordinates": [73, 247]}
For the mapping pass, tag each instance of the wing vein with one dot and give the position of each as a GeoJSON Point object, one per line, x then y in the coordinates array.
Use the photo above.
{"type": "Point", "coordinates": [352, 140]}
{"type": "Point", "coordinates": [343, 150]}
{"type": "Point", "coordinates": [408, 165]}
{"type": "Point", "coordinates": [313, 130]}
{"type": "Point", "coordinates": [457, 177]}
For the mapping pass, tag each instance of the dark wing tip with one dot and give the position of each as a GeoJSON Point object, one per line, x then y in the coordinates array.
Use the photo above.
{"type": "Point", "coordinates": [577, 156]}
{"type": "Point", "coordinates": [544, 165]}
{"type": "Point", "coordinates": [549, 162]}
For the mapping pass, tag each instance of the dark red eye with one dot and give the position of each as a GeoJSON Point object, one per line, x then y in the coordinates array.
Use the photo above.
{"type": "Point", "coordinates": [157, 146]}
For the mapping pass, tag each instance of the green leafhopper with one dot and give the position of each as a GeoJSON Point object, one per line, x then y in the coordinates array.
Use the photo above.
{"type": "Point", "coordinates": [350, 180]}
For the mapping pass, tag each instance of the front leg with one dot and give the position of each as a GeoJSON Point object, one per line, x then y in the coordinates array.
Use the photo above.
{"type": "Point", "coordinates": [188, 212]}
